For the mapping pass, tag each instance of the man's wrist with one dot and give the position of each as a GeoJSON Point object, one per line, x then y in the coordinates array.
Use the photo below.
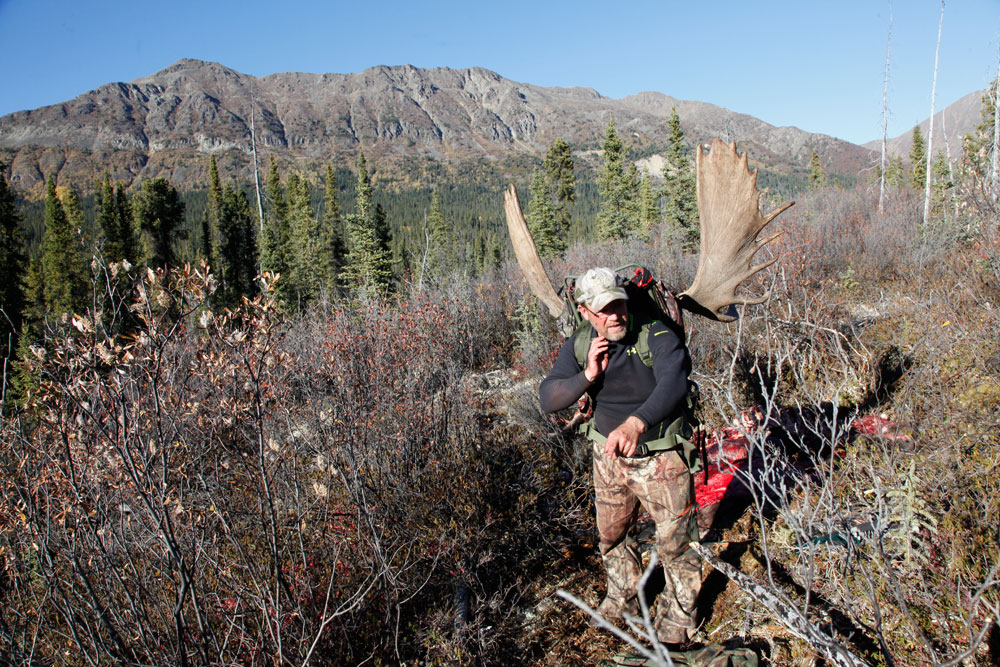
{"type": "Point", "coordinates": [637, 424]}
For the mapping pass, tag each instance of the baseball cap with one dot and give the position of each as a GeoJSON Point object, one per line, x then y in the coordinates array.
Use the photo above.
{"type": "Point", "coordinates": [598, 287]}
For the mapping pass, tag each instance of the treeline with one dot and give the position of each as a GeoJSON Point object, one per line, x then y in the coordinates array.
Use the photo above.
{"type": "Point", "coordinates": [321, 235]}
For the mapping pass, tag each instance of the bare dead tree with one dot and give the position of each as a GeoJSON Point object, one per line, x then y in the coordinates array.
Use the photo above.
{"type": "Point", "coordinates": [947, 154]}
{"type": "Point", "coordinates": [256, 174]}
{"type": "Point", "coordinates": [995, 159]}
{"type": "Point", "coordinates": [930, 131]}
{"type": "Point", "coordinates": [885, 114]}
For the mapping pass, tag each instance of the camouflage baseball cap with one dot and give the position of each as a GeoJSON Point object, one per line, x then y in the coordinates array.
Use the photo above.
{"type": "Point", "coordinates": [598, 287]}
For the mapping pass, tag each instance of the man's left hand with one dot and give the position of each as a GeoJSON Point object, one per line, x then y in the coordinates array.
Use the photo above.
{"type": "Point", "coordinates": [624, 439]}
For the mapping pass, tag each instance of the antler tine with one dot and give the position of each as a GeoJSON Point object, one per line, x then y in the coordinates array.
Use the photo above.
{"type": "Point", "coordinates": [729, 207]}
{"type": "Point", "coordinates": [527, 254]}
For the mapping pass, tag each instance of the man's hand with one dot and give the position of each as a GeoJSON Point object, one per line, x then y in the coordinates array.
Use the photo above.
{"type": "Point", "coordinates": [624, 439]}
{"type": "Point", "coordinates": [597, 358]}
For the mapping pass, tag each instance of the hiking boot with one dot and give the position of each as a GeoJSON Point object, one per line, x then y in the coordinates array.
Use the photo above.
{"type": "Point", "coordinates": [612, 609]}
{"type": "Point", "coordinates": [675, 632]}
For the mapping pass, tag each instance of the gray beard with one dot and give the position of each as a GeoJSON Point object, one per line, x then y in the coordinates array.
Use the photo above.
{"type": "Point", "coordinates": [616, 337]}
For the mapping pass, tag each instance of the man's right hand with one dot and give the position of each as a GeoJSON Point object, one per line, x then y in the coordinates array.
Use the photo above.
{"type": "Point", "coordinates": [597, 358]}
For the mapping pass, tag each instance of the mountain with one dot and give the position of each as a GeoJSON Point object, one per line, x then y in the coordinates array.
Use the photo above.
{"type": "Point", "coordinates": [409, 121]}
{"type": "Point", "coordinates": [952, 123]}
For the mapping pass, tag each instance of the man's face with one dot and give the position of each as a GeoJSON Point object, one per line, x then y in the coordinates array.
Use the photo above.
{"type": "Point", "coordinates": [610, 321]}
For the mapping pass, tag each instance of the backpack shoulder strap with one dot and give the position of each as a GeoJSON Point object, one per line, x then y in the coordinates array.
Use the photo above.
{"type": "Point", "coordinates": [642, 343]}
{"type": "Point", "coordinates": [581, 344]}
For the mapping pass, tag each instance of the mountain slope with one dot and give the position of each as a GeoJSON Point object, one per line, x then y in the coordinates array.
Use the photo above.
{"type": "Point", "coordinates": [951, 123]}
{"type": "Point", "coordinates": [165, 124]}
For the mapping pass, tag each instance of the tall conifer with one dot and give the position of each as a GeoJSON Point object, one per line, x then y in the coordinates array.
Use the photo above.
{"type": "Point", "coordinates": [541, 218]}
{"type": "Point", "coordinates": [160, 214]}
{"type": "Point", "coordinates": [649, 212]}
{"type": "Point", "coordinates": [304, 241]}
{"type": "Point", "coordinates": [562, 181]}
{"type": "Point", "coordinates": [615, 219]}
{"type": "Point", "coordinates": [13, 265]}
{"type": "Point", "coordinates": [918, 160]}
{"type": "Point", "coordinates": [680, 199]}
{"type": "Point", "coordinates": [363, 188]}
{"type": "Point", "coordinates": [214, 189]}
{"type": "Point", "coordinates": [369, 262]}
{"type": "Point", "coordinates": [114, 218]}
{"type": "Point", "coordinates": [817, 177]}
{"type": "Point", "coordinates": [237, 246]}
{"type": "Point", "coordinates": [441, 252]}
{"type": "Point", "coordinates": [210, 226]}
{"type": "Point", "coordinates": [942, 186]}
{"type": "Point", "coordinates": [127, 236]}
{"type": "Point", "coordinates": [332, 250]}
{"type": "Point", "coordinates": [63, 274]}
{"type": "Point", "coordinates": [274, 244]}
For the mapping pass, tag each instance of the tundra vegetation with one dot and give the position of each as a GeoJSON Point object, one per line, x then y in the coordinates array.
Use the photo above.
{"type": "Point", "coordinates": [346, 464]}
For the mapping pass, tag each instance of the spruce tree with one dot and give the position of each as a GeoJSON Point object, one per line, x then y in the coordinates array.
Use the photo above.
{"type": "Point", "coordinates": [817, 177]}
{"type": "Point", "coordinates": [32, 317]}
{"type": "Point", "coordinates": [918, 160]}
{"type": "Point", "coordinates": [332, 250]}
{"type": "Point", "coordinates": [440, 254]}
{"type": "Point", "coordinates": [541, 218]}
{"type": "Point", "coordinates": [275, 251]}
{"type": "Point", "coordinates": [649, 212]}
{"type": "Point", "coordinates": [478, 254]}
{"type": "Point", "coordinates": [207, 248]}
{"type": "Point", "coordinates": [237, 247]}
{"type": "Point", "coordinates": [114, 218]}
{"type": "Point", "coordinates": [615, 217]}
{"type": "Point", "coordinates": [74, 212]}
{"type": "Point", "coordinates": [64, 275]}
{"type": "Point", "coordinates": [368, 264]}
{"type": "Point", "coordinates": [13, 265]}
{"type": "Point", "coordinates": [633, 183]}
{"type": "Point", "coordinates": [369, 261]}
{"type": "Point", "coordinates": [304, 237]}
{"type": "Point", "coordinates": [679, 183]}
{"type": "Point", "coordinates": [380, 222]}
{"type": "Point", "coordinates": [562, 182]}
{"type": "Point", "coordinates": [128, 239]}
{"type": "Point", "coordinates": [160, 214]}
{"type": "Point", "coordinates": [894, 172]}
{"type": "Point", "coordinates": [210, 227]}
{"type": "Point", "coordinates": [34, 301]}
{"type": "Point", "coordinates": [363, 188]}
{"type": "Point", "coordinates": [214, 190]}
{"type": "Point", "coordinates": [941, 185]}
{"type": "Point", "coordinates": [106, 222]}
{"type": "Point", "coordinates": [393, 249]}
{"type": "Point", "coordinates": [368, 210]}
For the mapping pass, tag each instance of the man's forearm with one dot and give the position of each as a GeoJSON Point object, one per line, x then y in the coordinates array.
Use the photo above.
{"type": "Point", "coordinates": [559, 393]}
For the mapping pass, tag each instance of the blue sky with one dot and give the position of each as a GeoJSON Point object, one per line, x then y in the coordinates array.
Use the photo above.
{"type": "Point", "coordinates": [815, 65]}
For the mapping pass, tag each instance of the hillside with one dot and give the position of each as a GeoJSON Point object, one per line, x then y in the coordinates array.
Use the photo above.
{"type": "Point", "coordinates": [404, 117]}
{"type": "Point", "coordinates": [953, 123]}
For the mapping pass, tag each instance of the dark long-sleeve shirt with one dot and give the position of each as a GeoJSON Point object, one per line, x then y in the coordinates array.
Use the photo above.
{"type": "Point", "coordinates": [628, 387]}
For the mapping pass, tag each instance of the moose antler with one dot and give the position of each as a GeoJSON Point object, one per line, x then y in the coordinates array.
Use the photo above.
{"type": "Point", "coordinates": [527, 253]}
{"type": "Point", "coordinates": [729, 207]}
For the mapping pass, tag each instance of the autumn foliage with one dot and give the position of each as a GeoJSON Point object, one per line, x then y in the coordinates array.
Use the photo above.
{"type": "Point", "coordinates": [370, 480]}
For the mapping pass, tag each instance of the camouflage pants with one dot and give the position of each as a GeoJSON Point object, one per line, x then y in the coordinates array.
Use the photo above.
{"type": "Point", "coordinates": [664, 487]}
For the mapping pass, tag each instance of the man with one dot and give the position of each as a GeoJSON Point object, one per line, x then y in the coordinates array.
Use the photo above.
{"type": "Point", "coordinates": [638, 411]}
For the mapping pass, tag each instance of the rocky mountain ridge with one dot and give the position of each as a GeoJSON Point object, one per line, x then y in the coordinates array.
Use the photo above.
{"type": "Point", "coordinates": [403, 117]}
